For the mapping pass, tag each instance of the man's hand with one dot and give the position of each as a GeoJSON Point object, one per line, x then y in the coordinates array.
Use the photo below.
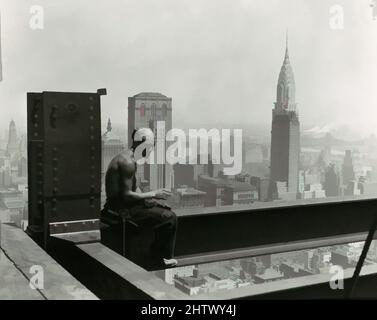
{"type": "Point", "coordinates": [162, 194]}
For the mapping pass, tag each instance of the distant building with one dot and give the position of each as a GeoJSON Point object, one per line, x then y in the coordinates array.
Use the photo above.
{"type": "Point", "coordinates": [5, 178]}
{"type": "Point", "coordinates": [221, 192]}
{"type": "Point", "coordinates": [144, 111]}
{"type": "Point", "coordinates": [261, 185]}
{"type": "Point", "coordinates": [12, 145]}
{"type": "Point", "coordinates": [168, 275]}
{"type": "Point", "coordinates": [285, 133]}
{"type": "Point", "coordinates": [343, 257]}
{"type": "Point", "coordinates": [190, 197]}
{"type": "Point", "coordinates": [282, 192]}
{"type": "Point", "coordinates": [214, 189]}
{"type": "Point", "coordinates": [22, 167]}
{"type": "Point", "coordinates": [190, 285]}
{"type": "Point", "coordinates": [348, 172]}
{"type": "Point", "coordinates": [352, 188]}
{"type": "Point", "coordinates": [313, 191]}
{"type": "Point", "coordinates": [237, 193]}
{"type": "Point", "coordinates": [368, 187]}
{"type": "Point", "coordinates": [184, 174]}
{"type": "Point", "coordinates": [111, 147]}
{"type": "Point", "coordinates": [332, 182]}
{"type": "Point", "coordinates": [293, 270]}
{"type": "Point", "coordinates": [270, 274]}
{"type": "Point", "coordinates": [12, 200]}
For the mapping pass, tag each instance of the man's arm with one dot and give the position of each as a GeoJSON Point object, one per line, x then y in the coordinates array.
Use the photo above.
{"type": "Point", "coordinates": [121, 181]}
{"type": "Point", "coordinates": [131, 196]}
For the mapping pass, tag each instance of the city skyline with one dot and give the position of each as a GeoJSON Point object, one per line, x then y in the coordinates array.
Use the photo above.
{"type": "Point", "coordinates": [188, 150]}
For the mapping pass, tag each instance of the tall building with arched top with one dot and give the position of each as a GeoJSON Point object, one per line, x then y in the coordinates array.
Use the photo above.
{"type": "Point", "coordinates": [285, 133]}
{"type": "Point", "coordinates": [145, 110]}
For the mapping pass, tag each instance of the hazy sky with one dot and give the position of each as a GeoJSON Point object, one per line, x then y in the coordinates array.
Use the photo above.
{"type": "Point", "coordinates": [218, 59]}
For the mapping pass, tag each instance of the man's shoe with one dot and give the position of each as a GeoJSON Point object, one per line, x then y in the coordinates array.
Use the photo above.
{"type": "Point", "coordinates": [170, 262]}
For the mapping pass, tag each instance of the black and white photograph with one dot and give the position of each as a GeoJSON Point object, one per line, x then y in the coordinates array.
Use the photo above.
{"type": "Point", "coordinates": [188, 150]}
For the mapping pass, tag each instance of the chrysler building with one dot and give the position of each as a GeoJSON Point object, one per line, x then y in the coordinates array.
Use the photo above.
{"type": "Point", "coordinates": [285, 133]}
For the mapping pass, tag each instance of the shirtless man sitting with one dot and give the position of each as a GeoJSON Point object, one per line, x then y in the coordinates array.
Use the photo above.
{"type": "Point", "coordinates": [122, 193]}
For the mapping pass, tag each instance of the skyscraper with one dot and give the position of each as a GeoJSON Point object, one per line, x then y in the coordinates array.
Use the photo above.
{"type": "Point", "coordinates": [285, 133]}
{"type": "Point", "coordinates": [348, 172]}
{"type": "Point", "coordinates": [12, 146]}
{"type": "Point", "coordinates": [144, 111]}
{"type": "Point", "coordinates": [112, 145]}
{"type": "Point", "coordinates": [332, 182]}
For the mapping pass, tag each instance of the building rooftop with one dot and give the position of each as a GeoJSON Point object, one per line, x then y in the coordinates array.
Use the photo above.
{"type": "Point", "coordinates": [149, 95]}
{"type": "Point", "coordinates": [236, 185]}
{"type": "Point", "coordinates": [189, 192]}
{"type": "Point", "coordinates": [14, 203]}
{"type": "Point", "coordinates": [241, 186]}
{"type": "Point", "coordinates": [270, 274]}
